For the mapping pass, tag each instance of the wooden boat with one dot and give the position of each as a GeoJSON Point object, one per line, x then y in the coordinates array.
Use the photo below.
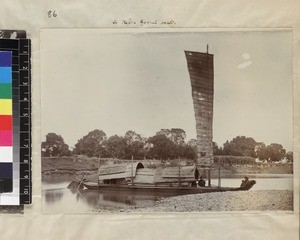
{"type": "Point", "coordinates": [135, 178]}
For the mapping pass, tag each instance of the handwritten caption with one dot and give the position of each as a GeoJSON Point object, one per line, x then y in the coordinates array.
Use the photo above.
{"type": "Point", "coordinates": [51, 14]}
{"type": "Point", "coordinates": [143, 22]}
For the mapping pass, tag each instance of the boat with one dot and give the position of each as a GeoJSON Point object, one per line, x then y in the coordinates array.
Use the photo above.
{"type": "Point", "coordinates": [135, 178]}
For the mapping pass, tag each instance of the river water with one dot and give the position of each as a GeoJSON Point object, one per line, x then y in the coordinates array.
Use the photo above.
{"type": "Point", "coordinates": [56, 198]}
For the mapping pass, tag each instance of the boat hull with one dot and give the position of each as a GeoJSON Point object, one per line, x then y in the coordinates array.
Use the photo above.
{"type": "Point", "coordinates": [157, 189]}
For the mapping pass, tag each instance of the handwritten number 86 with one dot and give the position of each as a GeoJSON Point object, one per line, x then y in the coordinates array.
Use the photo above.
{"type": "Point", "coordinates": [52, 14]}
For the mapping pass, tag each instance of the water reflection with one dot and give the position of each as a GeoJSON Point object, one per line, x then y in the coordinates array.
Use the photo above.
{"type": "Point", "coordinates": [95, 198]}
{"type": "Point", "coordinates": [53, 197]}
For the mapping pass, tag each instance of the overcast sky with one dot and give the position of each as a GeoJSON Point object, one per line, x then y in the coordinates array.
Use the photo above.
{"type": "Point", "coordinates": [139, 81]}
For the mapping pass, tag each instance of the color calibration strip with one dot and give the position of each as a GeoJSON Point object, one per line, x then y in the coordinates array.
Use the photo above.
{"type": "Point", "coordinates": [6, 123]}
{"type": "Point", "coordinates": [21, 120]}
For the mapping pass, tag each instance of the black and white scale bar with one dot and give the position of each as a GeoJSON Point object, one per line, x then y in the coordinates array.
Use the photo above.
{"type": "Point", "coordinates": [25, 120]}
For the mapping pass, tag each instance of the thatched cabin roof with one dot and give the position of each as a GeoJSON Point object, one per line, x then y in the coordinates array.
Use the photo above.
{"type": "Point", "coordinates": [118, 171]}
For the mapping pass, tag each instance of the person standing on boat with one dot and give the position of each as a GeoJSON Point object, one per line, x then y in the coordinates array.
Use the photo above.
{"type": "Point", "coordinates": [201, 182]}
{"type": "Point", "coordinates": [193, 184]}
{"type": "Point", "coordinates": [245, 182]}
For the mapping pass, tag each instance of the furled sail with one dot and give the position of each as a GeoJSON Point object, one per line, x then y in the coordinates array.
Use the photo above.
{"type": "Point", "coordinates": [201, 71]}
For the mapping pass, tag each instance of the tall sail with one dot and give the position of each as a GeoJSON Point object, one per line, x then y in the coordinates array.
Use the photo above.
{"type": "Point", "coordinates": [201, 71]}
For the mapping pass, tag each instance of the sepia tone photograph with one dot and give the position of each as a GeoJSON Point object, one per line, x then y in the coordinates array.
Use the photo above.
{"type": "Point", "coordinates": [12, 34]}
{"type": "Point", "coordinates": [166, 121]}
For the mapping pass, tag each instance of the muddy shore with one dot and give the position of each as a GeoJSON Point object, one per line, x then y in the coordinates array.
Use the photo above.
{"type": "Point", "coordinates": [253, 200]}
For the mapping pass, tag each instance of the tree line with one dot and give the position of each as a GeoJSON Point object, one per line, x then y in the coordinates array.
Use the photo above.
{"type": "Point", "coordinates": [165, 144]}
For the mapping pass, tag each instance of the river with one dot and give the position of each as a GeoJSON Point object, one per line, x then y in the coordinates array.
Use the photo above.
{"type": "Point", "coordinates": [56, 198]}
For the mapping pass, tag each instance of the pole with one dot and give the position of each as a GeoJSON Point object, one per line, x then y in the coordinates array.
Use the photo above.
{"type": "Point", "coordinates": [179, 180]}
{"type": "Point", "coordinates": [132, 170]}
{"type": "Point", "coordinates": [219, 172]}
{"type": "Point", "coordinates": [98, 171]}
{"type": "Point", "coordinates": [209, 182]}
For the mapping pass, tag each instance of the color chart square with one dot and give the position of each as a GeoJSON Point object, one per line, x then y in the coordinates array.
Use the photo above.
{"type": "Point", "coordinates": [6, 154]}
{"type": "Point", "coordinates": [6, 170]}
{"type": "Point", "coordinates": [6, 138]}
{"type": "Point", "coordinates": [5, 90]}
{"type": "Point", "coordinates": [5, 122]}
{"type": "Point", "coordinates": [5, 107]}
{"type": "Point", "coordinates": [5, 75]}
{"type": "Point", "coordinates": [5, 59]}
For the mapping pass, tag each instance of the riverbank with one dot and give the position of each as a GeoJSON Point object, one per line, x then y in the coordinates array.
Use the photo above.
{"type": "Point", "coordinates": [257, 200]}
{"type": "Point", "coordinates": [72, 166]}
{"type": "Point", "coordinates": [12, 209]}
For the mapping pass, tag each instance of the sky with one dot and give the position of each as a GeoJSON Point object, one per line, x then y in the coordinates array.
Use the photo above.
{"type": "Point", "coordinates": [136, 80]}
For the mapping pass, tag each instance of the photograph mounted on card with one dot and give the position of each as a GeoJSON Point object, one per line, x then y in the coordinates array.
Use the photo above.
{"type": "Point", "coordinates": [177, 120]}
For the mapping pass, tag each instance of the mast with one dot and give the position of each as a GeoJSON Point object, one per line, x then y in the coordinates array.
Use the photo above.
{"type": "Point", "coordinates": [179, 178]}
{"type": "Point", "coordinates": [132, 170]}
{"type": "Point", "coordinates": [219, 172]}
{"type": "Point", "coordinates": [201, 71]}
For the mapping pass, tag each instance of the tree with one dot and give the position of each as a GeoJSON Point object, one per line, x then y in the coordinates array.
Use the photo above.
{"type": "Point", "coordinates": [216, 149]}
{"type": "Point", "coordinates": [92, 144]}
{"type": "Point", "coordinates": [132, 136]}
{"type": "Point", "coordinates": [135, 145]}
{"type": "Point", "coordinates": [191, 149]}
{"type": "Point", "coordinates": [272, 153]}
{"type": "Point", "coordinates": [192, 143]}
{"type": "Point", "coordinates": [176, 135]}
{"type": "Point", "coordinates": [116, 146]}
{"type": "Point", "coordinates": [54, 146]}
{"type": "Point", "coordinates": [189, 152]}
{"type": "Point", "coordinates": [161, 147]}
{"type": "Point", "coordinates": [276, 152]}
{"type": "Point", "coordinates": [226, 148]}
{"type": "Point", "coordinates": [240, 146]}
{"type": "Point", "coordinates": [289, 156]}
{"type": "Point", "coordinates": [261, 151]}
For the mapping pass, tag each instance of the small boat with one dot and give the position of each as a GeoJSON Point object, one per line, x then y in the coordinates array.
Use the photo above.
{"type": "Point", "coordinates": [135, 178]}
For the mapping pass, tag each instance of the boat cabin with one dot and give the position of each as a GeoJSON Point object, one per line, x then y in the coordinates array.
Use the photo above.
{"type": "Point", "coordinates": [136, 174]}
{"type": "Point", "coordinates": [118, 173]}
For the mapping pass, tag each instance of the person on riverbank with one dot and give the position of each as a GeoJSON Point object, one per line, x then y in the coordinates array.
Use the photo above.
{"type": "Point", "coordinates": [201, 182]}
{"type": "Point", "coordinates": [245, 182]}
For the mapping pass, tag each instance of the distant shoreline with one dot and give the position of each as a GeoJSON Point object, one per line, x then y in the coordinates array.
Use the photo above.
{"type": "Point", "coordinates": [76, 166]}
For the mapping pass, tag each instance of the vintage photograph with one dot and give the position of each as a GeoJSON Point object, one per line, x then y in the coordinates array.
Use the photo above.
{"type": "Point", "coordinates": [12, 34]}
{"type": "Point", "coordinates": [166, 120]}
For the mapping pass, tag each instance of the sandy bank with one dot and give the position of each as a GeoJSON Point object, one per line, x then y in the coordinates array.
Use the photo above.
{"type": "Point", "coordinates": [259, 200]}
